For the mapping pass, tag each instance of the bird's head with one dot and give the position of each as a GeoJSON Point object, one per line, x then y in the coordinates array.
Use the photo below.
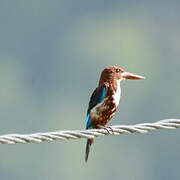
{"type": "Point", "coordinates": [117, 73]}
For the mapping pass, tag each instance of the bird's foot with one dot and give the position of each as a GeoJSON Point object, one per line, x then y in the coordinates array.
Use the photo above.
{"type": "Point", "coordinates": [107, 128]}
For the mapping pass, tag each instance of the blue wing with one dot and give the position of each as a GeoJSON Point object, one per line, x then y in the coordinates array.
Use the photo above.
{"type": "Point", "coordinates": [97, 97]}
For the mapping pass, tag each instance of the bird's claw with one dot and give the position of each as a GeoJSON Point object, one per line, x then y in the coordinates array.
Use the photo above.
{"type": "Point", "coordinates": [109, 129]}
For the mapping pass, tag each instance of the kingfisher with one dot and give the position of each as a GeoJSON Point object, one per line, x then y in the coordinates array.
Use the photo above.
{"type": "Point", "coordinates": [105, 99]}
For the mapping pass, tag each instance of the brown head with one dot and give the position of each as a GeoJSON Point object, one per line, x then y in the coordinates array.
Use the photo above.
{"type": "Point", "coordinates": [114, 73]}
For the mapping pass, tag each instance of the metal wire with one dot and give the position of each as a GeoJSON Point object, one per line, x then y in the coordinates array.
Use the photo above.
{"type": "Point", "coordinates": [90, 133]}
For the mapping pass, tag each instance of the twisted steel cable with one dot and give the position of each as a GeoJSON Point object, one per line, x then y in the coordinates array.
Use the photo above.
{"type": "Point", "coordinates": [90, 133]}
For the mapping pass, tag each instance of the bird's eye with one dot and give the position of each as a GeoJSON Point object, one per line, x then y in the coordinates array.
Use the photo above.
{"type": "Point", "coordinates": [117, 70]}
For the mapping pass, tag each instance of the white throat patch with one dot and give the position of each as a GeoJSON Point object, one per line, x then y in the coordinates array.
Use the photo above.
{"type": "Point", "coordinates": [117, 94]}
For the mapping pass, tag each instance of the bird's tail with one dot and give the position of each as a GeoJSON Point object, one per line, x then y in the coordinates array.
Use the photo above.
{"type": "Point", "coordinates": [88, 145]}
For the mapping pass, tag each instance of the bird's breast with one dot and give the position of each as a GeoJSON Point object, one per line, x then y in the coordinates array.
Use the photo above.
{"type": "Point", "coordinates": [102, 113]}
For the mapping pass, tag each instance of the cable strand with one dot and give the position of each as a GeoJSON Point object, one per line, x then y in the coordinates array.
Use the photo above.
{"type": "Point", "coordinates": [90, 133]}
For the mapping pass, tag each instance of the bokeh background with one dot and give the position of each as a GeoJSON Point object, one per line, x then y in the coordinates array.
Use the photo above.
{"type": "Point", "coordinates": [51, 55]}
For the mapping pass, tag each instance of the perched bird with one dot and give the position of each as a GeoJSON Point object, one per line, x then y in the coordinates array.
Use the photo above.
{"type": "Point", "coordinates": [105, 99]}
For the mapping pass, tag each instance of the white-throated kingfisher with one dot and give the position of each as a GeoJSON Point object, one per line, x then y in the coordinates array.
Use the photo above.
{"type": "Point", "coordinates": [105, 99]}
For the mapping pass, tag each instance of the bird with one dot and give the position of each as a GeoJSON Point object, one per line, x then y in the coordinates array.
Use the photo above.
{"type": "Point", "coordinates": [105, 99]}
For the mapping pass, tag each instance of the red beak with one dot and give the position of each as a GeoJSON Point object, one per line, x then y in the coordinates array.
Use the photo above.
{"type": "Point", "coordinates": [127, 75]}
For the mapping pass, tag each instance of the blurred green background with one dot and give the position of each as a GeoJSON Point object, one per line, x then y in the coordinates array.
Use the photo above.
{"type": "Point", "coordinates": [51, 55]}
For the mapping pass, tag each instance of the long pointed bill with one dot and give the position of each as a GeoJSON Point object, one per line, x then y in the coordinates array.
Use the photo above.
{"type": "Point", "coordinates": [127, 75]}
